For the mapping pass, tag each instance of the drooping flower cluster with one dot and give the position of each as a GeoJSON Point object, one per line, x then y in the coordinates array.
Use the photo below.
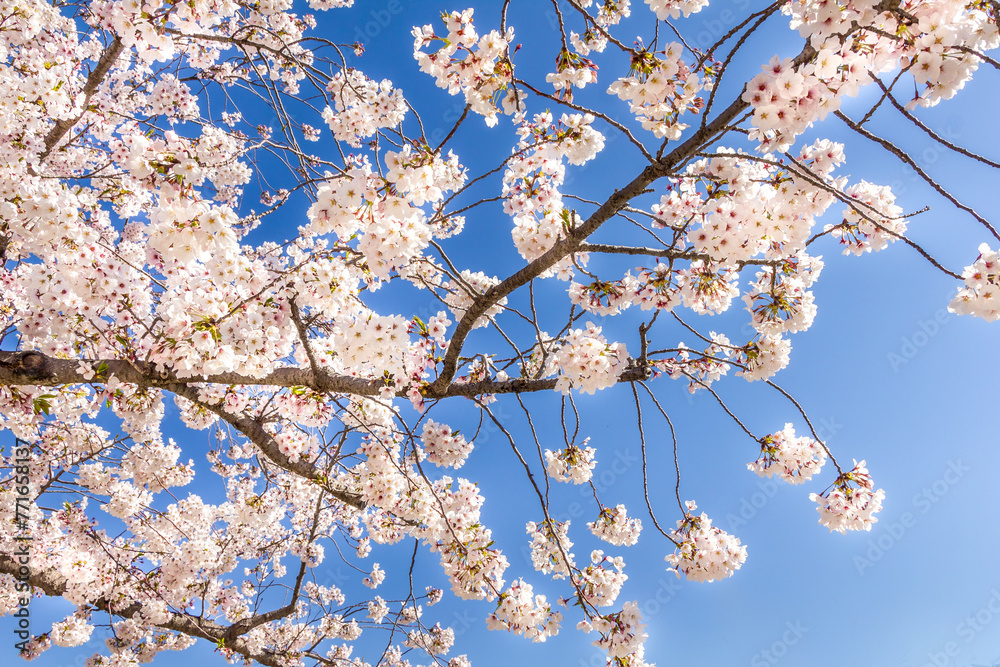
{"type": "Point", "coordinates": [981, 294]}
{"type": "Point", "coordinates": [609, 12]}
{"type": "Point", "coordinates": [605, 297]}
{"type": "Point", "coordinates": [764, 357]}
{"type": "Point", "coordinates": [851, 502]}
{"type": "Point", "coordinates": [523, 613]}
{"type": "Point", "coordinates": [587, 362]}
{"type": "Point", "coordinates": [436, 641]}
{"type": "Point", "coordinates": [700, 369]}
{"type": "Point", "coordinates": [872, 223]}
{"type": "Point", "coordinates": [377, 609]}
{"type": "Point", "coordinates": [602, 580]}
{"type": "Point", "coordinates": [779, 302]}
{"type": "Point", "coordinates": [614, 526]}
{"type": "Point", "coordinates": [361, 106]}
{"type": "Point", "coordinates": [573, 464]}
{"type": "Point", "coordinates": [550, 547]}
{"type": "Point", "coordinates": [484, 73]}
{"type": "Point", "coordinates": [534, 175]}
{"type": "Point", "coordinates": [73, 631]}
{"type": "Point", "coordinates": [622, 635]}
{"type": "Point", "coordinates": [705, 553]}
{"type": "Point", "coordinates": [674, 9]}
{"type": "Point", "coordinates": [793, 459]}
{"type": "Point", "coordinates": [444, 447]}
{"type": "Point", "coordinates": [706, 287]}
{"type": "Point", "coordinates": [422, 176]}
{"type": "Point", "coordinates": [444, 517]}
{"type": "Point", "coordinates": [660, 90]}
{"type": "Point", "coordinates": [571, 70]}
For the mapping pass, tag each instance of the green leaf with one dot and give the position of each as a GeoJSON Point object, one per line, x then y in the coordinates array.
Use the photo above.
{"type": "Point", "coordinates": [42, 404]}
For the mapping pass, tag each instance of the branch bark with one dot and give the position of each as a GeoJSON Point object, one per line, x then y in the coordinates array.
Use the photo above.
{"type": "Point", "coordinates": [39, 370]}
{"type": "Point", "coordinates": [104, 64]}
{"type": "Point", "coordinates": [53, 584]}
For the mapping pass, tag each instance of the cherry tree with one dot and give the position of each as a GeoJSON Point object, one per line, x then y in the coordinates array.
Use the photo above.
{"type": "Point", "coordinates": [138, 275]}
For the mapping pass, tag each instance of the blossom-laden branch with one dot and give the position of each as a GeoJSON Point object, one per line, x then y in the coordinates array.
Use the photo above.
{"type": "Point", "coordinates": [129, 273]}
{"type": "Point", "coordinates": [54, 584]}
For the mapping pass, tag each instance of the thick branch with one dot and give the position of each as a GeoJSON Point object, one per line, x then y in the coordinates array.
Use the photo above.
{"type": "Point", "coordinates": [39, 370]}
{"type": "Point", "coordinates": [561, 249]}
{"type": "Point", "coordinates": [566, 246]}
{"type": "Point", "coordinates": [95, 78]}
{"type": "Point", "coordinates": [269, 447]}
{"type": "Point", "coordinates": [669, 253]}
{"type": "Point", "coordinates": [52, 583]}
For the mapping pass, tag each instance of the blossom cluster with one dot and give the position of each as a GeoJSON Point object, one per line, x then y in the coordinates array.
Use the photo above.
{"type": "Point", "coordinates": [572, 69]}
{"type": "Point", "coordinates": [533, 176]}
{"type": "Point", "coordinates": [980, 296]}
{"type": "Point", "coordinates": [660, 90]}
{"type": "Point", "coordinates": [674, 9]}
{"type": "Point", "coordinates": [704, 552]}
{"type": "Point", "coordinates": [522, 612]}
{"type": "Point", "coordinates": [482, 75]}
{"type": "Point", "coordinates": [851, 502]}
{"type": "Point", "coordinates": [623, 635]}
{"type": "Point", "coordinates": [601, 582]}
{"type": "Point", "coordinates": [572, 464]}
{"type": "Point", "coordinates": [793, 459]}
{"type": "Point", "coordinates": [361, 106]}
{"type": "Point", "coordinates": [550, 547]}
{"type": "Point", "coordinates": [855, 41]}
{"type": "Point", "coordinates": [614, 526]}
{"type": "Point", "coordinates": [587, 362]}
{"type": "Point", "coordinates": [701, 369]}
{"type": "Point", "coordinates": [444, 447]}
{"type": "Point", "coordinates": [871, 223]}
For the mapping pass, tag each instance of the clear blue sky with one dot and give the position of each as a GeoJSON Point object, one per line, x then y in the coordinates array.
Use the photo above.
{"type": "Point", "coordinates": [885, 372]}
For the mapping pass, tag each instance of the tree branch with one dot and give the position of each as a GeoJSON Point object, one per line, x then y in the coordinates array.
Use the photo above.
{"type": "Point", "coordinates": [104, 63]}
{"type": "Point", "coordinates": [54, 584]}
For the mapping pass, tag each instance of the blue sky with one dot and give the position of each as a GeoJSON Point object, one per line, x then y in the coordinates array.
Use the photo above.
{"type": "Point", "coordinates": [885, 372]}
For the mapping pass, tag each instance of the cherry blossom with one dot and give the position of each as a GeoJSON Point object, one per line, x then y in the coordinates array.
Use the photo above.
{"type": "Point", "coordinates": [793, 459]}
{"type": "Point", "coordinates": [704, 552]}
{"type": "Point", "coordinates": [851, 501]}
{"type": "Point", "coordinates": [224, 217]}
